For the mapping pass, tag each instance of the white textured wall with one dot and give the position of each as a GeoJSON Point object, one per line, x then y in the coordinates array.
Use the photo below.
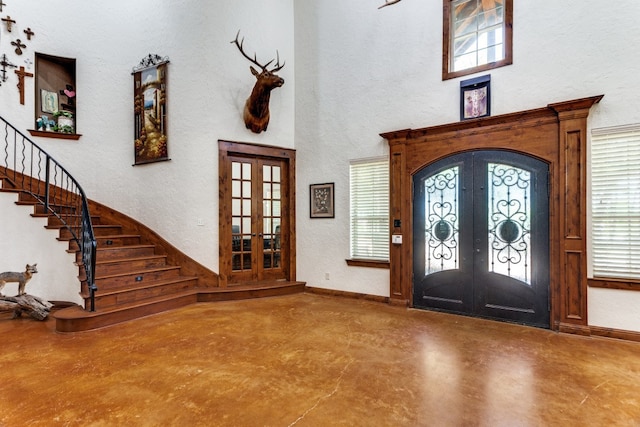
{"type": "Point", "coordinates": [24, 240]}
{"type": "Point", "coordinates": [362, 71]}
{"type": "Point", "coordinates": [209, 81]}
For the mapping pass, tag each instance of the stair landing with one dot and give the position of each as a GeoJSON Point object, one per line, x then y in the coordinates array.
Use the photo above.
{"type": "Point", "coordinates": [76, 319]}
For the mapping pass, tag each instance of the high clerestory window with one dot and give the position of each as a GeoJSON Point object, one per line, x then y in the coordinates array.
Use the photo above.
{"type": "Point", "coordinates": [477, 36]}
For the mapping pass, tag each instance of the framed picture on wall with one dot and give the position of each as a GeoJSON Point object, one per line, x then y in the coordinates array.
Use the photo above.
{"type": "Point", "coordinates": [150, 110]}
{"type": "Point", "coordinates": [322, 198]}
{"type": "Point", "coordinates": [475, 97]}
{"type": "Point", "coordinates": [49, 101]}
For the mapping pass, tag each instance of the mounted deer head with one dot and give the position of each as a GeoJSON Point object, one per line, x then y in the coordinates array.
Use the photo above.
{"type": "Point", "coordinates": [256, 109]}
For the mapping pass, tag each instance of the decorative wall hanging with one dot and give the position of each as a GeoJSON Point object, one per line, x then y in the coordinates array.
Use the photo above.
{"type": "Point", "coordinates": [21, 75]}
{"type": "Point", "coordinates": [1, 5]}
{"type": "Point", "coordinates": [19, 46]}
{"type": "Point", "coordinates": [29, 33]}
{"type": "Point", "coordinates": [322, 197]}
{"type": "Point", "coordinates": [4, 63]}
{"type": "Point", "coordinates": [9, 22]}
{"type": "Point", "coordinates": [150, 109]}
{"type": "Point", "coordinates": [256, 109]}
{"type": "Point", "coordinates": [475, 97]}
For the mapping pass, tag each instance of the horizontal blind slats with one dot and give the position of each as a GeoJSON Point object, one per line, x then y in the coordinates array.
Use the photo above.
{"type": "Point", "coordinates": [615, 197]}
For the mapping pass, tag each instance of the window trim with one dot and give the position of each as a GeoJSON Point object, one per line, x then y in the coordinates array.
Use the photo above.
{"type": "Point", "coordinates": [446, 43]}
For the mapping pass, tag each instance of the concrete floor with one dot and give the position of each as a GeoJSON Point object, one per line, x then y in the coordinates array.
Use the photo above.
{"type": "Point", "coordinates": [311, 360]}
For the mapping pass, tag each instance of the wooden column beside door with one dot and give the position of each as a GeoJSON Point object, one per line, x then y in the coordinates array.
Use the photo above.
{"type": "Point", "coordinates": [556, 134]}
{"type": "Point", "coordinates": [572, 135]}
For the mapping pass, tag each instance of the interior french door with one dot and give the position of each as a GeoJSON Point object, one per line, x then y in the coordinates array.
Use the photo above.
{"type": "Point", "coordinates": [258, 198]}
{"type": "Point", "coordinates": [481, 237]}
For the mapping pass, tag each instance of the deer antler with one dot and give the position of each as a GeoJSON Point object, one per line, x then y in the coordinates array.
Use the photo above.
{"type": "Point", "coordinates": [254, 60]}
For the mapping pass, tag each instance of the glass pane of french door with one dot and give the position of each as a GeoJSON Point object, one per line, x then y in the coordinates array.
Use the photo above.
{"type": "Point", "coordinates": [256, 219]}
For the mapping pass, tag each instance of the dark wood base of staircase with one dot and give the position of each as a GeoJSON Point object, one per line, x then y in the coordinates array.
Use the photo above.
{"type": "Point", "coordinates": [76, 319]}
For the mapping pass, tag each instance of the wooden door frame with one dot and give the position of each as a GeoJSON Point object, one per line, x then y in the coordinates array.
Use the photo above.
{"type": "Point", "coordinates": [288, 242]}
{"type": "Point", "coordinates": [556, 134]}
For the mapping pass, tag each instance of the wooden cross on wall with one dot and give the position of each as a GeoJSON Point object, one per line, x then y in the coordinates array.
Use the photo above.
{"type": "Point", "coordinates": [2, 4]}
{"type": "Point", "coordinates": [9, 22]}
{"type": "Point", "coordinates": [21, 75]}
{"type": "Point", "coordinates": [28, 32]}
{"type": "Point", "coordinates": [19, 46]}
{"type": "Point", "coordinates": [4, 63]}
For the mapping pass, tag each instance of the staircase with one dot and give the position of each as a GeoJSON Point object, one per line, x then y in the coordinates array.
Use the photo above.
{"type": "Point", "coordinates": [137, 273]}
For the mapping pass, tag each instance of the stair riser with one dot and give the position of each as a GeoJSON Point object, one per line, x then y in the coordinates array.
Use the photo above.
{"type": "Point", "coordinates": [62, 210]}
{"type": "Point", "coordinates": [97, 231]}
{"type": "Point", "coordinates": [120, 282]}
{"type": "Point", "coordinates": [53, 221]}
{"type": "Point", "coordinates": [138, 295]}
{"type": "Point", "coordinates": [123, 252]}
{"type": "Point", "coordinates": [131, 265]}
{"type": "Point", "coordinates": [107, 242]}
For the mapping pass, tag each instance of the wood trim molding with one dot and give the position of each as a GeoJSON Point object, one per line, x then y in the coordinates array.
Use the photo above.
{"type": "Point", "coordinates": [367, 263]}
{"type": "Point", "coordinates": [55, 135]}
{"type": "Point", "coordinates": [556, 134]}
{"type": "Point", "coordinates": [623, 284]}
{"type": "Point", "coordinates": [345, 294]}
{"type": "Point", "coordinates": [615, 333]}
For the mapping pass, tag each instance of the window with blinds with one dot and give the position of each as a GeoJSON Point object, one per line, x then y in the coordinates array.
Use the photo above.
{"type": "Point", "coordinates": [615, 202]}
{"type": "Point", "coordinates": [369, 192]}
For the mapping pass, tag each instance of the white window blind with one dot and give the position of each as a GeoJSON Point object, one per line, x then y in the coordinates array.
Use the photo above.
{"type": "Point", "coordinates": [370, 209]}
{"type": "Point", "coordinates": [615, 202]}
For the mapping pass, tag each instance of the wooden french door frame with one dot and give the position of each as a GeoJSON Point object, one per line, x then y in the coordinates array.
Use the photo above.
{"type": "Point", "coordinates": [230, 149]}
{"type": "Point", "coordinates": [556, 134]}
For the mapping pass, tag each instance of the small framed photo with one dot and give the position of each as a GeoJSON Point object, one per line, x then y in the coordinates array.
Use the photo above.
{"type": "Point", "coordinates": [322, 198]}
{"type": "Point", "coordinates": [49, 101]}
{"type": "Point", "coordinates": [475, 97]}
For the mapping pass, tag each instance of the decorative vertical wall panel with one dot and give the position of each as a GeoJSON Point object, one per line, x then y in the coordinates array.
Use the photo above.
{"type": "Point", "coordinates": [574, 169]}
{"type": "Point", "coordinates": [398, 295]}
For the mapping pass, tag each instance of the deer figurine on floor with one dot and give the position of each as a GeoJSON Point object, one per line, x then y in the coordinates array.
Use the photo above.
{"type": "Point", "coordinates": [256, 109]}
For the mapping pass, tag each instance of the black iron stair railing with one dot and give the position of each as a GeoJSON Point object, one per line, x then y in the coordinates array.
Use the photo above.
{"type": "Point", "coordinates": [35, 172]}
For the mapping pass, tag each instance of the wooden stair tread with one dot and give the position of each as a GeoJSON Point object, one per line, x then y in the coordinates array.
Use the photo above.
{"type": "Point", "coordinates": [143, 285]}
{"type": "Point", "coordinates": [139, 271]}
{"type": "Point", "coordinates": [128, 259]}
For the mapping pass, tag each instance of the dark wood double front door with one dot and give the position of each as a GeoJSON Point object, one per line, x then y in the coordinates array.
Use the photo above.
{"type": "Point", "coordinates": [481, 237]}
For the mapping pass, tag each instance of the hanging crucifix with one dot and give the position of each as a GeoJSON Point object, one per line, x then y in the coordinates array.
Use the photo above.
{"type": "Point", "coordinates": [2, 4]}
{"type": "Point", "coordinates": [21, 75]}
{"type": "Point", "coordinates": [9, 22]}
{"type": "Point", "coordinates": [28, 32]}
{"type": "Point", "coordinates": [4, 63]}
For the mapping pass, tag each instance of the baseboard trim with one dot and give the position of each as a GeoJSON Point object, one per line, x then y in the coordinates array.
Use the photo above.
{"type": "Point", "coordinates": [345, 294]}
{"type": "Point", "coordinates": [620, 334]}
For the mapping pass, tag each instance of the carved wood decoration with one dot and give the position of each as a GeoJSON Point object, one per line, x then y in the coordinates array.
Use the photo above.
{"type": "Point", "coordinates": [556, 134]}
{"type": "Point", "coordinates": [256, 109]}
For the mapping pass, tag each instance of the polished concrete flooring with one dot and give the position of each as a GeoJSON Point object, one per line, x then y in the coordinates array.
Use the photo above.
{"type": "Point", "coordinates": [313, 360]}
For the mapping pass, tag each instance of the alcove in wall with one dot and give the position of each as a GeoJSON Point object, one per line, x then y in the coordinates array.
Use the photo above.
{"type": "Point", "coordinates": [55, 112]}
